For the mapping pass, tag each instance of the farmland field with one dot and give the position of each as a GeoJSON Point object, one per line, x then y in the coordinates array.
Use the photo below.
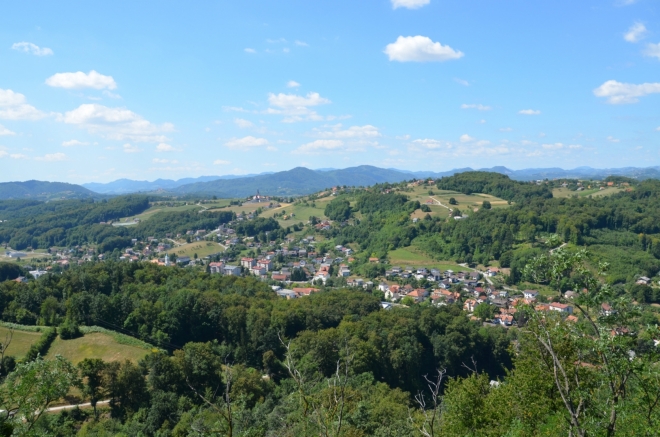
{"type": "Point", "coordinates": [21, 341]}
{"type": "Point", "coordinates": [201, 248]}
{"type": "Point", "coordinates": [411, 256]}
{"type": "Point", "coordinates": [565, 192]}
{"type": "Point", "coordinates": [95, 345]}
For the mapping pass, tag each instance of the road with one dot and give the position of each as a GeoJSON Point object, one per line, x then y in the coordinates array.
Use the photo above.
{"type": "Point", "coordinates": [441, 204]}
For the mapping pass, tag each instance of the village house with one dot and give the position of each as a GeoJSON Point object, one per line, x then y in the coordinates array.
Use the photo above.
{"type": "Point", "coordinates": [248, 263]}
{"type": "Point", "coordinates": [561, 307]}
{"type": "Point", "coordinates": [530, 294]}
{"type": "Point", "coordinates": [469, 305]}
{"type": "Point", "coordinates": [232, 270]}
{"type": "Point", "coordinates": [216, 267]}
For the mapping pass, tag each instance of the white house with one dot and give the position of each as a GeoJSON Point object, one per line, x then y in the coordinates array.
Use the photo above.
{"type": "Point", "coordinates": [232, 270]}
{"type": "Point", "coordinates": [530, 294]}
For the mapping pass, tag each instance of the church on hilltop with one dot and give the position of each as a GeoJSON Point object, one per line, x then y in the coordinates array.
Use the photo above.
{"type": "Point", "coordinates": [258, 198]}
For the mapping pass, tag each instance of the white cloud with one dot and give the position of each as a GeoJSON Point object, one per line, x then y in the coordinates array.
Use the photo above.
{"type": "Point", "coordinates": [164, 161]}
{"type": "Point", "coordinates": [249, 50]}
{"type": "Point", "coordinates": [128, 148]}
{"type": "Point", "coordinates": [286, 50]}
{"type": "Point", "coordinates": [403, 137]}
{"type": "Point", "coordinates": [636, 32]}
{"type": "Point", "coordinates": [5, 132]}
{"type": "Point", "coordinates": [246, 143]}
{"type": "Point", "coordinates": [320, 146]}
{"type": "Point", "coordinates": [292, 84]}
{"type": "Point", "coordinates": [163, 147]}
{"type": "Point", "coordinates": [116, 123]}
{"type": "Point", "coordinates": [73, 143]}
{"type": "Point", "coordinates": [232, 109]}
{"type": "Point", "coordinates": [13, 106]}
{"type": "Point", "coordinates": [276, 41]}
{"type": "Point", "coordinates": [52, 157]}
{"type": "Point", "coordinates": [505, 129]}
{"type": "Point", "coordinates": [301, 43]}
{"type": "Point", "coordinates": [465, 138]}
{"type": "Point", "coordinates": [482, 121]}
{"type": "Point", "coordinates": [409, 4]}
{"type": "Point", "coordinates": [20, 156]}
{"type": "Point", "coordinates": [111, 94]}
{"type": "Point", "coordinates": [462, 81]}
{"type": "Point", "coordinates": [620, 93]}
{"type": "Point", "coordinates": [420, 49]}
{"type": "Point", "coordinates": [652, 50]}
{"type": "Point", "coordinates": [221, 162]}
{"type": "Point", "coordinates": [289, 101]}
{"type": "Point", "coordinates": [430, 144]}
{"type": "Point", "coordinates": [336, 131]}
{"type": "Point", "coordinates": [242, 123]}
{"type": "Point", "coordinates": [33, 49]}
{"type": "Point", "coordinates": [479, 106]}
{"type": "Point", "coordinates": [80, 80]}
{"type": "Point", "coordinates": [529, 112]}
{"type": "Point", "coordinates": [295, 107]}
{"type": "Point", "coordinates": [611, 139]}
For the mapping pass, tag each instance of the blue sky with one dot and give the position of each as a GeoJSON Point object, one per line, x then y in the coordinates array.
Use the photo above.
{"type": "Point", "coordinates": [96, 91]}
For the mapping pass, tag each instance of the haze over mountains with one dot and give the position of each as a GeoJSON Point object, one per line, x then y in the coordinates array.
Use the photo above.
{"type": "Point", "coordinates": [297, 181]}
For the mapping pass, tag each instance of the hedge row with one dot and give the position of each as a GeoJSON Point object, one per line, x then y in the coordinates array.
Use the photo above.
{"type": "Point", "coordinates": [41, 346]}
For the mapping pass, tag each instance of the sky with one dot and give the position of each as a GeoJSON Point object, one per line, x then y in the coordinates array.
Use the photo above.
{"type": "Point", "coordinates": [94, 91]}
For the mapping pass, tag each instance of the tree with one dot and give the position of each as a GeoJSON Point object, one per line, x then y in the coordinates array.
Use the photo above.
{"type": "Point", "coordinates": [407, 300]}
{"type": "Point", "coordinates": [452, 201]}
{"type": "Point", "coordinates": [486, 204]}
{"type": "Point", "coordinates": [33, 386]}
{"type": "Point", "coordinates": [91, 369]}
{"type": "Point", "coordinates": [484, 311]}
{"type": "Point", "coordinates": [338, 210]}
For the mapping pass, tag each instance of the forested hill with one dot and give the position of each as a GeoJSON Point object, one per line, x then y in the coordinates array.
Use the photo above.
{"type": "Point", "coordinates": [494, 184]}
{"type": "Point", "coordinates": [297, 181]}
{"type": "Point", "coordinates": [43, 190]}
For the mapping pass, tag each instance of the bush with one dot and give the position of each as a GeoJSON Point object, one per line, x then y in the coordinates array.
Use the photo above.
{"type": "Point", "coordinates": [70, 330]}
{"type": "Point", "coordinates": [41, 347]}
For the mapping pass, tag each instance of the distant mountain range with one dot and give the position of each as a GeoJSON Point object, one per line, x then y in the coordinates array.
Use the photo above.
{"type": "Point", "coordinates": [126, 186]}
{"type": "Point", "coordinates": [39, 190]}
{"type": "Point", "coordinates": [297, 181]}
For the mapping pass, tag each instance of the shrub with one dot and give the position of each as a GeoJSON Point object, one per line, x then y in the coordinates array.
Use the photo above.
{"type": "Point", "coordinates": [69, 330]}
{"type": "Point", "coordinates": [41, 346]}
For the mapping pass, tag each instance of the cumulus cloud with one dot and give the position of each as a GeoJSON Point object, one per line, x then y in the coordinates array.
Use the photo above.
{"type": "Point", "coordinates": [79, 80]}
{"type": "Point", "coordinates": [116, 123]}
{"type": "Point", "coordinates": [420, 49]}
{"type": "Point", "coordinates": [221, 162]}
{"type": "Point", "coordinates": [13, 106]}
{"type": "Point", "coordinates": [246, 143]}
{"type": "Point", "coordinates": [249, 50]}
{"type": "Point", "coordinates": [320, 146]}
{"type": "Point", "coordinates": [479, 107]}
{"type": "Point", "coordinates": [621, 93]}
{"type": "Point", "coordinates": [652, 50]}
{"type": "Point", "coordinates": [292, 84]}
{"type": "Point", "coordinates": [31, 48]}
{"type": "Point", "coordinates": [288, 101]}
{"type": "Point", "coordinates": [242, 123]}
{"type": "Point", "coordinates": [636, 32]}
{"type": "Point", "coordinates": [296, 108]}
{"type": "Point", "coordinates": [467, 139]}
{"type": "Point", "coordinates": [529, 112]}
{"type": "Point", "coordinates": [73, 143]}
{"type": "Point", "coordinates": [163, 147]}
{"type": "Point", "coordinates": [611, 139]}
{"type": "Point", "coordinates": [301, 43]}
{"type": "Point", "coordinates": [129, 148]}
{"type": "Point", "coordinates": [5, 132]}
{"type": "Point", "coordinates": [505, 129]}
{"type": "Point", "coordinates": [353, 132]}
{"type": "Point", "coordinates": [51, 157]}
{"type": "Point", "coordinates": [409, 4]}
{"type": "Point", "coordinates": [462, 81]}
{"type": "Point", "coordinates": [20, 156]}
